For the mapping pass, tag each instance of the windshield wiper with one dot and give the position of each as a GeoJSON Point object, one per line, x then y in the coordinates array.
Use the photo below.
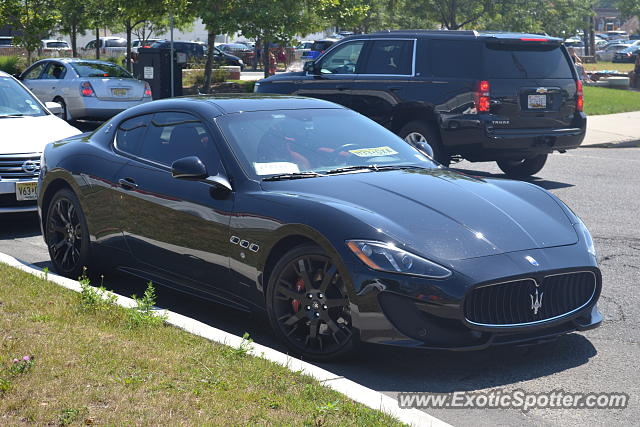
{"type": "Point", "coordinates": [371, 168]}
{"type": "Point", "coordinates": [295, 175]}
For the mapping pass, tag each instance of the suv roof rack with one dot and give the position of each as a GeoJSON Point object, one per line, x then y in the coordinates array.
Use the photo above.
{"type": "Point", "coordinates": [449, 32]}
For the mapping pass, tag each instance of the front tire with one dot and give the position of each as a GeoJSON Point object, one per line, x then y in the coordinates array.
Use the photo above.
{"type": "Point", "coordinates": [523, 168]}
{"type": "Point", "coordinates": [67, 234]}
{"type": "Point", "coordinates": [414, 132]}
{"type": "Point", "coordinates": [65, 110]}
{"type": "Point", "coordinates": [308, 305]}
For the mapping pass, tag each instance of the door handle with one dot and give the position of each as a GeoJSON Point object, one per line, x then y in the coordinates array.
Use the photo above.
{"type": "Point", "coordinates": [127, 183]}
{"type": "Point", "coordinates": [394, 88]}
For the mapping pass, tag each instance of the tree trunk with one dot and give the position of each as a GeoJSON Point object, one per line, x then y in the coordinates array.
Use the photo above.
{"type": "Point", "coordinates": [74, 40]}
{"type": "Point", "coordinates": [208, 66]}
{"type": "Point", "coordinates": [129, 29]}
{"type": "Point", "coordinates": [97, 43]}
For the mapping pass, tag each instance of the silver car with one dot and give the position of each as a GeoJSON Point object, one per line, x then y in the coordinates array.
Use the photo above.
{"type": "Point", "coordinates": [86, 89]}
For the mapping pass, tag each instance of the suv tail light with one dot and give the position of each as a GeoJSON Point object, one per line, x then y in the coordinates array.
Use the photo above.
{"type": "Point", "coordinates": [86, 89]}
{"type": "Point", "coordinates": [147, 90]}
{"type": "Point", "coordinates": [579, 96]}
{"type": "Point", "coordinates": [483, 96]}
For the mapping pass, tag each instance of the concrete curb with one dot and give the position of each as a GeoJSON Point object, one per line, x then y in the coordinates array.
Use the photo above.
{"type": "Point", "coordinates": [351, 389]}
{"type": "Point", "coordinates": [634, 143]}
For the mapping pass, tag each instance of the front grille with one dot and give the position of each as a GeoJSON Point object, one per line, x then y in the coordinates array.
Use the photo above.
{"type": "Point", "coordinates": [18, 166]}
{"type": "Point", "coordinates": [514, 303]}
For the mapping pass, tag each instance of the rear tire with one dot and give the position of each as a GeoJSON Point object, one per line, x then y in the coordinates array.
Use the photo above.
{"type": "Point", "coordinates": [523, 168]}
{"type": "Point", "coordinates": [308, 305]}
{"type": "Point", "coordinates": [66, 234]}
{"type": "Point", "coordinates": [416, 131]}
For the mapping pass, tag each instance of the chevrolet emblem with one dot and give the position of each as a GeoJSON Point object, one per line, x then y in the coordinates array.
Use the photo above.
{"type": "Point", "coordinates": [542, 90]}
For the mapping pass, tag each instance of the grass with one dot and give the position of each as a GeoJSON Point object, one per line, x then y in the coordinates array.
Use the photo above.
{"type": "Point", "coordinates": [599, 100]}
{"type": "Point", "coordinates": [11, 64]}
{"type": "Point", "coordinates": [88, 364]}
{"type": "Point", "coordinates": [622, 67]}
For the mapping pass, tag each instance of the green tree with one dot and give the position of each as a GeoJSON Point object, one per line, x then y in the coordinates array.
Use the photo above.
{"type": "Point", "coordinates": [629, 8]}
{"type": "Point", "coordinates": [100, 14]}
{"type": "Point", "coordinates": [32, 20]}
{"type": "Point", "coordinates": [344, 14]}
{"type": "Point", "coordinates": [73, 20]}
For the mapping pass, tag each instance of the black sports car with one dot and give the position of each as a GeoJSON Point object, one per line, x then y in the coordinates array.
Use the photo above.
{"type": "Point", "coordinates": [335, 226]}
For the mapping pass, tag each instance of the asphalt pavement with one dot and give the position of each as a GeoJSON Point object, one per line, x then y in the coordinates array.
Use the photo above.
{"type": "Point", "coordinates": [601, 186]}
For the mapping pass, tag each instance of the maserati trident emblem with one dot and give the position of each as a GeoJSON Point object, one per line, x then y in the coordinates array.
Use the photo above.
{"type": "Point", "coordinates": [532, 261]}
{"type": "Point", "coordinates": [542, 90]}
{"type": "Point", "coordinates": [536, 302]}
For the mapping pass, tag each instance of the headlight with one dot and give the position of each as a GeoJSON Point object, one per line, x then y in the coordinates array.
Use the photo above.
{"type": "Point", "coordinates": [386, 257]}
{"type": "Point", "coordinates": [587, 237]}
{"type": "Point", "coordinates": [240, 61]}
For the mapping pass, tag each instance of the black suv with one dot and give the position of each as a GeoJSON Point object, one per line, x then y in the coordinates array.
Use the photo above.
{"type": "Point", "coordinates": [505, 97]}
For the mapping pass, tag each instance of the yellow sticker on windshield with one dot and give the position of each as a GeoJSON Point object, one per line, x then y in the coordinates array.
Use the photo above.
{"type": "Point", "coordinates": [374, 152]}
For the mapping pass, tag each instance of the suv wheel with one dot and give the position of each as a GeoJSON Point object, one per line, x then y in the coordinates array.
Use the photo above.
{"type": "Point", "coordinates": [414, 132]}
{"type": "Point", "coordinates": [523, 168]}
{"type": "Point", "coordinates": [308, 305]}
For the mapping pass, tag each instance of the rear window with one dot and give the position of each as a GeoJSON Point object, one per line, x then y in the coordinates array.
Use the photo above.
{"type": "Point", "coordinates": [96, 69]}
{"type": "Point", "coordinates": [320, 46]}
{"type": "Point", "coordinates": [518, 61]}
{"type": "Point", "coordinates": [115, 43]}
{"type": "Point", "coordinates": [62, 45]}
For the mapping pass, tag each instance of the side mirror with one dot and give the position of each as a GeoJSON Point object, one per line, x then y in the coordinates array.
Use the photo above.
{"type": "Point", "coordinates": [425, 148]}
{"type": "Point", "coordinates": [190, 168]}
{"type": "Point", "coordinates": [55, 108]}
{"type": "Point", "coordinates": [310, 67]}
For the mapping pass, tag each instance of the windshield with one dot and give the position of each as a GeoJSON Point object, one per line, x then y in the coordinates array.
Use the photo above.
{"type": "Point", "coordinates": [519, 60]}
{"type": "Point", "coordinates": [279, 142]}
{"type": "Point", "coordinates": [16, 101]}
{"type": "Point", "coordinates": [100, 69]}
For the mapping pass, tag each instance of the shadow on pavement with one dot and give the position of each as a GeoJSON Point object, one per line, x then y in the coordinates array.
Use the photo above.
{"type": "Point", "coordinates": [19, 225]}
{"type": "Point", "coordinates": [547, 185]}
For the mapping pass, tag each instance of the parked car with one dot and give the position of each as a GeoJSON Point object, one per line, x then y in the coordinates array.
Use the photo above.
{"type": "Point", "coordinates": [317, 48]}
{"type": "Point", "coordinates": [196, 51]}
{"type": "Point", "coordinates": [137, 44]}
{"type": "Point", "coordinates": [54, 45]}
{"type": "Point", "coordinates": [506, 97]}
{"type": "Point", "coordinates": [303, 48]}
{"type": "Point", "coordinates": [26, 126]}
{"type": "Point", "coordinates": [576, 44]}
{"type": "Point", "coordinates": [6, 42]}
{"type": "Point", "coordinates": [333, 225]}
{"type": "Point", "coordinates": [628, 54]}
{"type": "Point", "coordinates": [86, 89]}
{"type": "Point", "coordinates": [235, 48]}
{"type": "Point", "coordinates": [115, 45]}
{"type": "Point", "coordinates": [609, 51]}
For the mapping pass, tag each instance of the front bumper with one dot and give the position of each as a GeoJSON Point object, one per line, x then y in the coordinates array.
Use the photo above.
{"type": "Point", "coordinates": [402, 310]}
{"type": "Point", "coordinates": [8, 201]}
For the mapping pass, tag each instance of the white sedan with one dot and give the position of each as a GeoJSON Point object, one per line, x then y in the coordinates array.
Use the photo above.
{"type": "Point", "coordinates": [26, 126]}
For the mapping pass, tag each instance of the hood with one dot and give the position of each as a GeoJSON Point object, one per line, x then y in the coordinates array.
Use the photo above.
{"type": "Point", "coordinates": [284, 76]}
{"type": "Point", "coordinates": [31, 134]}
{"type": "Point", "coordinates": [443, 214]}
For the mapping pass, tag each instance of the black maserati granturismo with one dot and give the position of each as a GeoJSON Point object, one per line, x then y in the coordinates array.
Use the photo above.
{"type": "Point", "coordinates": [337, 228]}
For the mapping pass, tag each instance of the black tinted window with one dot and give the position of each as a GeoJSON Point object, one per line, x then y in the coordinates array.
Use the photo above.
{"type": "Point", "coordinates": [519, 61]}
{"type": "Point", "coordinates": [390, 57]}
{"type": "Point", "coordinates": [99, 69]}
{"type": "Point", "coordinates": [131, 133]}
{"type": "Point", "coordinates": [321, 46]}
{"type": "Point", "coordinates": [115, 43]}
{"type": "Point", "coordinates": [172, 136]}
{"type": "Point", "coordinates": [454, 58]}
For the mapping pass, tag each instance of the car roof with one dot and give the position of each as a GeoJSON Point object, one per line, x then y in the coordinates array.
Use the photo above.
{"type": "Point", "coordinates": [455, 34]}
{"type": "Point", "coordinates": [239, 103]}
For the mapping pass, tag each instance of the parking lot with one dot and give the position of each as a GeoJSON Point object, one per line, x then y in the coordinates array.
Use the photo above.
{"type": "Point", "coordinates": [601, 186]}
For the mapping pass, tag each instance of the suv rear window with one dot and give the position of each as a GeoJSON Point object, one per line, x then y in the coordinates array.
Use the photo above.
{"type": "Point", "coordinates": [518, 61]}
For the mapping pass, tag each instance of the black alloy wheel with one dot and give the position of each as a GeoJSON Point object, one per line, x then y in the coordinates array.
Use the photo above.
{"type": "Point", "coordinates": [416, 132]}
{"type": "Point", "coordinates": [308, 305]}
{"type": "Point", "coordinates": [523, 168]}
{"type": "Point", "coordinates": [66, 234]}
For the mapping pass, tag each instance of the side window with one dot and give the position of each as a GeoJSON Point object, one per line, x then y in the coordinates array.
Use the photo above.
{"type": "Point", "coordinates": [131, 133]}
{"type": "Point", "coordinates": [91, 45]}
{"type": "Point", "coordinates": [35, 72]}
{"type": "Point", "coordinates": [455, 58]}
{"type": "Point", "coordinates": [390, 57]}
{"type": "Point", "coordinates": [343, 59]}
{"type": "Point", "coordinates": [55, 71]}
{"type": "Point", "coordinates": [173, 135]}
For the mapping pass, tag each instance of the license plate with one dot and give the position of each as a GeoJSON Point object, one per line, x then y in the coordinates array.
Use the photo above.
{"type": "Point", "coordinates": [26, 191]}
{"type": "Point", "coordinates": [119, 92]}
{"type": "Point", "coordinates": [537, 101]}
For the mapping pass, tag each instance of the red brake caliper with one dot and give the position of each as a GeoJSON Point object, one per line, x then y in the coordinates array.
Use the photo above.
{"type": "Point", "coordinates": [299, 287]}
